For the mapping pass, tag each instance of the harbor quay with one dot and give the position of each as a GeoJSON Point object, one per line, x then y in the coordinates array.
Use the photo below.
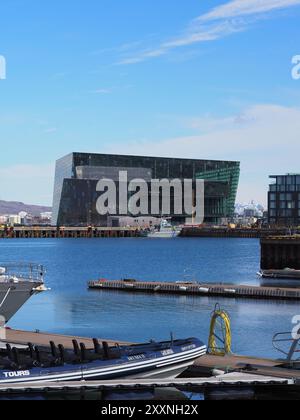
{"type": "Point", "coordinates": [132, 232]}
{"type": "Point", "coordinates": [70, 232]}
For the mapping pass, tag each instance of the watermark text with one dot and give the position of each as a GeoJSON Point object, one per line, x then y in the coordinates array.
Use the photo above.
{"type": "Point", "coordinates": [2, 329]}
{"type": "Point", "coordinates": [296, 67]}
{"type": "Point", "coordinates": [157, 197]}
{"type": "Point", "coordinates": [296, 329]}
{"type": "Point", "coordinates": [2, 67]}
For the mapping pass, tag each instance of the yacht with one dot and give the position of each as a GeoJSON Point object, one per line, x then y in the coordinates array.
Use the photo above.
{"type": "Point", "coordinates": [166, 231]}
{"type": "Point", "coordinates": [18, 282]}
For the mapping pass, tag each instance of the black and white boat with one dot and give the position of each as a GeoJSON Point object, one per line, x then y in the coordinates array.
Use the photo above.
{"type": "Point", "coordinates": [18, 283]}
{"type": "Point", "coordinates": [287, 273]}
{"type": "Point", "coordinates": [56, 364]}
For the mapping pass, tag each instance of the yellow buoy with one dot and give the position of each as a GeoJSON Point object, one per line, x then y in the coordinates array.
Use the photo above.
{"type": "Point", "coordinates": [220, 339]}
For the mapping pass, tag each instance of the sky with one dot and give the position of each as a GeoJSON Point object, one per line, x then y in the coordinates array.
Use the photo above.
{"type": "Point", "coordinates": [208, 79]}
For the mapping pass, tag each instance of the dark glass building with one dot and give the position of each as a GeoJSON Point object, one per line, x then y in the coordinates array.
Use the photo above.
{"type": "Point", "coordinates": [77, 175]}
{"type": "Point", "coordinates": [217, 204]}
{"type": "Point", "coordinates": [284, 200]}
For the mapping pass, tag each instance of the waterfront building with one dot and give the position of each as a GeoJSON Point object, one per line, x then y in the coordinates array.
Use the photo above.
{"type": "Point", "coordinates": [14, 219]}
{"type": "Point", "coordinates": [4, 219]}
{"type": "Point", "coordinates": [77, 174]}
{"type": "Point", "coordinates": [46, 216]}
{"type": "Point", "coordinates": [219, 205]}
{"type": "Point", "coordinates": [284, 200]}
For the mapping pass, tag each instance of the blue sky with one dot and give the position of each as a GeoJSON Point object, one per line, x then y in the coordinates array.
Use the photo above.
{"type": "Point", "coordinates": [207, 79]}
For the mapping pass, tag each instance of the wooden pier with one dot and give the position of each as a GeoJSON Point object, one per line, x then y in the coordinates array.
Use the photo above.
{"type": "Point", "coordinates": [22, 338]}
{"type": "Point", "coordinates": [208, 365]}
{"type": "Point", "coordinates": [198, 289]}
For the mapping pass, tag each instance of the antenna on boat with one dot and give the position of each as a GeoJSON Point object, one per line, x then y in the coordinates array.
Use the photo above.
{"type": "Point", "coordinates": [172, 338]}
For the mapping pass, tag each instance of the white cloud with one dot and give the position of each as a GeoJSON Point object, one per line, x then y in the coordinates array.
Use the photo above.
{"type": "Point", "coordinates": [238, 8]}
{"type": "Point", "coordinates": [229, 18]}
{"type": "Point", "coordinates": [265, 138]}
{"type": "Point", "coordinates": [201, 34]}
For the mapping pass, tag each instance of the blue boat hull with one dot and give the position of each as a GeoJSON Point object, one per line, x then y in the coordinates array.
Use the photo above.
{"type": "Point", "coordinates": [165, 362]}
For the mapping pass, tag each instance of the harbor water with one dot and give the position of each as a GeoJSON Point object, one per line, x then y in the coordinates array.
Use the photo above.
{"type": "Point", "coordinates": [69, 308]}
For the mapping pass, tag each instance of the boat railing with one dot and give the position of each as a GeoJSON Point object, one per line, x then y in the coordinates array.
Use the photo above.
{"type": "Point", "coordinates": [22, 271]}
{"type": "Point", "coordinates": [292, 344]}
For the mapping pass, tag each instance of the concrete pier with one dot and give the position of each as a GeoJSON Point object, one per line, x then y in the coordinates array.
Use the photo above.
{"type": "Point", "coordinates": [198, 289]}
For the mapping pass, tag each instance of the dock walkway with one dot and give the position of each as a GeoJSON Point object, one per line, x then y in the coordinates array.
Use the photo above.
{"type": "Point", "coordinates": [230, 380]}
{"type": "Point", "coordinates": [199, 289]}
{"type": "Point", "coordinates": [22, 338]}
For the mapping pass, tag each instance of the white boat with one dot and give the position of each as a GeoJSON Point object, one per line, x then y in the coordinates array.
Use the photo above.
{"type": "Point", "coordinates": [166, 231]}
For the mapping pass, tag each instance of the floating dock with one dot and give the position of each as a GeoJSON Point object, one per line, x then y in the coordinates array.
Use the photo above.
{"type": "Point", "coordinates": [207, 365]}
{"type": "Point", "coordinates": [198, 289]}
{"type": "Point", "coordinates": [231, 381]}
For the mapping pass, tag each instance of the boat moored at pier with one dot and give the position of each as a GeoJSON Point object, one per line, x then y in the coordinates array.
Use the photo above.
{"type": "Point", "coordinates": [165, 231]}
{"type": "Point", "coordinates": [38, 364]}
{"type": "Point", "coordinates": [18, 282]}
{"type": "Point", "coordinates": [287, 273]}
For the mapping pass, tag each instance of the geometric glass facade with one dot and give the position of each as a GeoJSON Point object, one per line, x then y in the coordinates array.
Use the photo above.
{"type": "Point", "coordinates": [284, 200]}
{"type": "Point", "coordinates": [222, 205]}
{"type": "Point", "coordinates": [77, 174]}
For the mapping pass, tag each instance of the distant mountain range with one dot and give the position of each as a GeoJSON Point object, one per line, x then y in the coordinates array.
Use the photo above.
{"type": "Point", "coordinates": [14, 207]}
